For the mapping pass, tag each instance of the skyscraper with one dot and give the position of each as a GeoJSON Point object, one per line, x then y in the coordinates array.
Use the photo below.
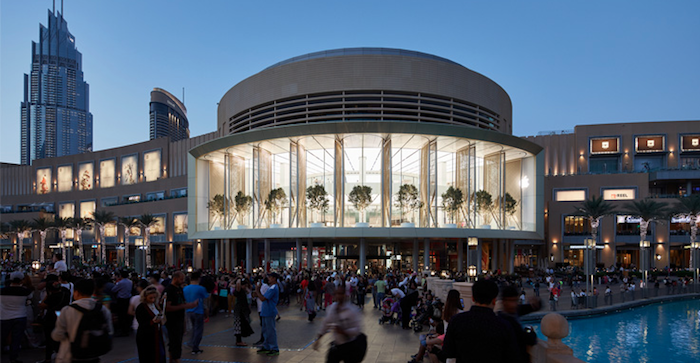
{"type": "Point", "coordinates": [55, 113]}
{"type": "Point", "coordinates": [168, 116]}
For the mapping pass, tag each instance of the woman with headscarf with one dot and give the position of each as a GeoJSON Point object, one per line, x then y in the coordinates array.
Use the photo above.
{"type": "Point", "coordinates": [241, 312]}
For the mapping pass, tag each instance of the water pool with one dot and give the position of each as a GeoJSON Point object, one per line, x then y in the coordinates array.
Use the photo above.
{"type": "Point", "coordinates": [668, 332]}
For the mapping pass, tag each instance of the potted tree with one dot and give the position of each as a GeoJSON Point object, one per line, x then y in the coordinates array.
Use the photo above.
{"type": "Point", "coordinates": [407, 201]}
{"type": "Point", "coordinates": [483, 202]}
{"type": "Point", "coordinates": [318, 201]}
{"type": "Point", "coordinates": [452, 201]}
{"type": "Point", "coordinates": [361, 197]}
{"type": "Point", "coordinates": [510, 206]}
{"type": "Point", "coordinates": [276, 200]}
{"type": "Point", "coordinates": [242, 203]}
{"type": "Point", "coordinates": [217, 207]}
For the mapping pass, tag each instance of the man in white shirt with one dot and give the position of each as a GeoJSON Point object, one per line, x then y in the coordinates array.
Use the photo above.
{"type": "Point", "coordinates": [345, 322]}
{"type": "Point", "coordinates": [59, 265]}
{"type": "Point", "coordinates": [398, 293]}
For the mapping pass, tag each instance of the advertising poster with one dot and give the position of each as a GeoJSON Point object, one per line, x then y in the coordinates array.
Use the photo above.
{"type": "Point", "coordinates": [43, 181]}
{"type": "Point", "coordinates": [151, 165]}
{"type": "Point", "coordinates": [85, 176]}
{"type": "Point", "coordinates": [107, 168]}
{"type": "Point", "coordinates": [130, 170]}
{"type": "Point", "coordinates": [180, 224]}
{"type": "Point", "coordinates": [87, 210]}
{"type": "Point", "coordinates": [65, 178]}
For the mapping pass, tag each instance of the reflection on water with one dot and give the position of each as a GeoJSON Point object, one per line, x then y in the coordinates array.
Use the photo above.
{"type": "Point", "coordinates": [655, 333]}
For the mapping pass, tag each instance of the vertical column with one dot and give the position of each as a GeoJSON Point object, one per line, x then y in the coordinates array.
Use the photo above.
{"type": "Point", "coordinates": [299, 261]}
{"type": "Point", "coordinates": [169, 254]}
{"type": "Point", "coordinates": [416, 253]}
{"type": "Point", "coordinates": [426, 254]}
{"type": "Point", "coordinates": [339, 184]}
{"type": "Point", "coordinates": [248, 255]}
{"type": "Point", "coordinates": [217, 254]}
{"type": "Point", "coordinates": [494, 254]}
{"type": "Point", "coordinates": [197, 255]}
{"type": "Point", "coordinates": [267, 255]}
{"type": "Point", "coordinates": [478, 255]}
{"type": "Point", "coordinates": [386, 182]}
{"type": "Point", "coordinates": [310, 254]}
{"type": "Point", "coordinates": [296, 196]}
{"type": "Point", "coordinates": [363, 257]}
{"type": "Point", "coordinates": [460, 254]}
{"type": "Point", "coordinates": [511, 256]}
{"type": "Point", "coordinates": [233, 260]}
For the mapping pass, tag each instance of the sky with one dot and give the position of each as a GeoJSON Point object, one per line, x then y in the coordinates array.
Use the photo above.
{"type": "Point", "coordinates": [563, 63]}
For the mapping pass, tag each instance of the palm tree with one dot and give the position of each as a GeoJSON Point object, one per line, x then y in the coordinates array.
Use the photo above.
{"type": "Point", "coordinates": [147, 221]}
{"type": "Point", "coordinates": [125, 222]}
{"type": "Point", "coordinates": [80, 224]}
{"type": "Point", "coordinates": [690, 208]}
{"type": "Point", "coordinates": [21, 227]}
{"type": "Point", "coordinates": [42, 225]}
{"type": "Point", "coordinates": [594, 209]}
{"type": "Point", "coordinates": [63, 225]}
{"type": "Point", "coordinates": [648, 211]}
{"type": "Point", "coordinates": [101, 218]}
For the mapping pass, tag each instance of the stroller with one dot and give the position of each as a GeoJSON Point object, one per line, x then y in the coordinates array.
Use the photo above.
{"type": "Point", "coordinates": [387, 311]}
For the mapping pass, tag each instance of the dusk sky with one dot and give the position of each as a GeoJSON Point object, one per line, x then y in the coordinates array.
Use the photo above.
{"type": "Point", "coordinates": [563, 63]}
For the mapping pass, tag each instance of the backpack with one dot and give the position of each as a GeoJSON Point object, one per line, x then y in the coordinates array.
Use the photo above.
{"type": "Point", "coordinates": [92, 338]}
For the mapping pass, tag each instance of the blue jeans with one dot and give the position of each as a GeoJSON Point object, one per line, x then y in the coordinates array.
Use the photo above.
{"type": "Point", "coordinates": [197, 321]}
{"type": "Point", "coordinates": [14, 328]}
{"type": "Point", "coordinates": [380, 298]}
{"type": "Point", "coordinates": [269, 332]}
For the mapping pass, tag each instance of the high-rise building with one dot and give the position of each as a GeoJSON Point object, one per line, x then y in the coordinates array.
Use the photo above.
{"type": "Point", "coordinates": [168, 116]}
{"type": "Point", "coordinates": [55, 113]}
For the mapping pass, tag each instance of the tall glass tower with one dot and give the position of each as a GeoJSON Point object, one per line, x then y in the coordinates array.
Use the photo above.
{"type": "Point", "coordinates": [168, 116]}
{"type": "Point", "coordinates": [55, 113]}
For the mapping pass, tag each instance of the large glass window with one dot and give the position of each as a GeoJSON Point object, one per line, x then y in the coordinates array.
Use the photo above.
{"type": "Point", "coordinates": [680, 226]}
{"type": "Point", "coordinates": [87, 209]}
{"type": "Point", "coordinates": [43, 181]}
{"type": "Point", "coordinates": [86, 175]}
{"type": "Point", "coordinates": [130, 170]}
{"type": "Point", "coordinates": [627, 225]}
{"type": "Point", "coordinates": [151, 165]}
{"type": "Point", "coordinates": [180, 223]}
{"type": "Point", "coordinates": [576, 226]}
{"type": "Point", "coordinates": [604, 165]}
{"type": "Point", "coordinates": [107, 173]}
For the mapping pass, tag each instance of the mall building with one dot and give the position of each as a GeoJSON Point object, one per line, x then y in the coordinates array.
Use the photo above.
{"type": "Point", "coordinates": [359, 158]}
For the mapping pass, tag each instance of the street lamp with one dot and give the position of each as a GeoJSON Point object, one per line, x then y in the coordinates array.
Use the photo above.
{"type": "Point", "coordinates": [471, 271]}
{"type": "Point", "coordinates": [644, 260]}
{"type": "Point", "coordinates": [589, 265]}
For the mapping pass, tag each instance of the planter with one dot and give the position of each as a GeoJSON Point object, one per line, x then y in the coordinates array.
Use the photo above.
{"type": "Point", "coordinates": [361, 225]}
{"type": "Point", "coordinates": [316, 225]}
{"type": "Point", "coordinates": [451, 225]}
{"type": "Point", "coordinates": [485, 226]}
{"type": "Point", "coordinates": [242, 226]}
{"type": "Point", "coordinates": [408, 225]}
{"type": "Point", "coordinates": [275, 225]}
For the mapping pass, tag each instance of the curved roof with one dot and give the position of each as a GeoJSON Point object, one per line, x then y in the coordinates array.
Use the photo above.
{"type": "Point", "coordinates": [360, 51]}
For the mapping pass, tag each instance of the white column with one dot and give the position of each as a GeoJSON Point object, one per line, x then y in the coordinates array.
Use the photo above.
{"type": "Point", "coordinates": [416, 255]}
{"type": "Point", "coordinates": [426, 254]}
{"type": "Point", "coordinates": [363, 257]}
{"type": "Point", "coordinates": [460, 254]}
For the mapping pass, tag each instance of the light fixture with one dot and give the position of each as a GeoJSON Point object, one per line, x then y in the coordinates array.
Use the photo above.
{"type": "Point", "coordinates": [658, 257]}
{"type": "Point", "coordinates": [189, 269]}
{"type": "Point", "coordinates": [94, 246]}
{"type": "Point", "coordinates": [644, 244]}
{"type": "Point", "coordinates": [471, 271]}
{"type": "Point", "coordinates": [36, 265]}
{"type": "Point", "coordinates": [472, 242]}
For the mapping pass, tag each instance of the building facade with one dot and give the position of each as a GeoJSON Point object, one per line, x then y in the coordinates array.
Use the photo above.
{"type": "Point", "coordinates": [55, 111]}
{"type": "Point", "coordinates": [622, 162]}
{"type": "Point", "coordinates": [383, 138]}
{"type": "Point", "coordinates": [168, 116]}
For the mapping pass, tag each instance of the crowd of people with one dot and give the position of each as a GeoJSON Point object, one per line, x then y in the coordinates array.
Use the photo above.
{"type": "Point", "coordinates": [74, 313]}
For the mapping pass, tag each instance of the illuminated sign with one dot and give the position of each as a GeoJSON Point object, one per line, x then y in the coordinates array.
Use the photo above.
{"type": "Point", "coordinates": [609, 145]}
{"type": "Point", "coordinates": [619, 194]}
{"type": "Point", "coordinates": [130, 171]}
{"type": "Point", "coordinates": [85, 176]}
{"type": "Point", "coordinates": [43, 181]}
{"type": "Point", "coordinates": [690, 143]}
{"type": "Point", "coordinates": [628, 219]}
{"type": "Point", "coordinates": [570, 195]}
{"type": "Point", "coordinates": [151, 165]}
{"type": "Point", "coordinates": [65, 178]}
{"type": "Point", "coordinates": [107, 179]}
{"type": "Point", "coordinates": [650, 144]}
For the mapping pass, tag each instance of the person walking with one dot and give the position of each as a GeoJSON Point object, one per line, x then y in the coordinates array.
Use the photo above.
{"type": "Point", "coordinates": [241, 312]}
{"type": "Point", "coordinates": [380, 285]}
{"type": "Point", "coordinates": [267, 314]}
{"type": "Point", "coordinates": [149, 335]}
{"type": "Point", "coordinates": [13, 313]}
{"type": "Point", "coordinates": [122, 292]}
{"type": "Point", "coordinates": [194, 292]}
{"type": "Point", "coordinates": [56, 298]}
{"type": "Point", "coordinates": [345, 321]}
{"type": "Point", "coordinates": [70, 318]}
{"type": "Point", "coordinates": [175, 315]}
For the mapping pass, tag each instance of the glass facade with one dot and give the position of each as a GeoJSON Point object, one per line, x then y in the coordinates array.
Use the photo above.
{"type": "Point", "coordinates": [367, 180]}
{"type": "Point", "coordinates": [55, 112]}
